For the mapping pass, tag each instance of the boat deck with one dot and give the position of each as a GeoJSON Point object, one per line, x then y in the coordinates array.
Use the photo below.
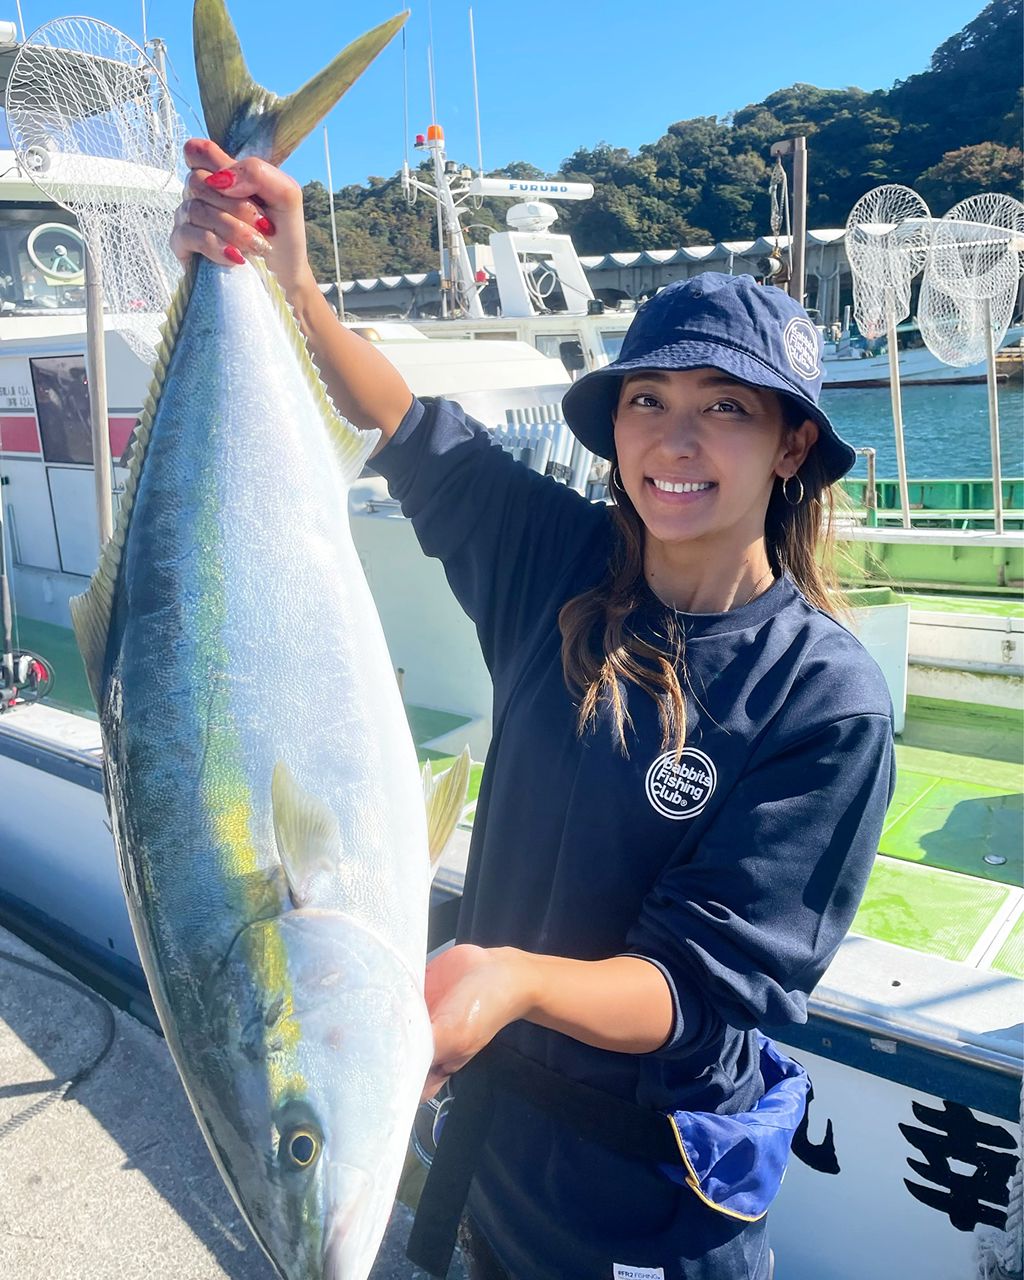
{"type": "Point", "coordinates": [950, 868]}
{"type": "Point", "coordinates": [948, 875]}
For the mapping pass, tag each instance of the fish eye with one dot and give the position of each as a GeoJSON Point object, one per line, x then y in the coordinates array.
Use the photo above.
{"type": "Point", "coordinates": [302, 1147]}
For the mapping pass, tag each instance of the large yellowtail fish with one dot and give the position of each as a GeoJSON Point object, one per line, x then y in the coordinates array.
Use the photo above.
{"type": "Point", "coordinates": [260, 774]}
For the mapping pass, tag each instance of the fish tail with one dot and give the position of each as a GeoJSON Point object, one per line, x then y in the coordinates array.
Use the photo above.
{"type": "Point", "coordinates": [246, 119]}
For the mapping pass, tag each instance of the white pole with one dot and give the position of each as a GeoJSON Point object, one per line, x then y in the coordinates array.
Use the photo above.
{"type": "Point", "coordinates": [476, 98]}
{"type": "Point", "coordinates": [897, 417]}
{"type": "Point", "coordinates": [97, 372]}
{"type": "Point", "coordinates": [334, 227]}
{"type": "Point", "coordinates": [798, 243]}
{"type": "Point", "coordinates": [993, 420]}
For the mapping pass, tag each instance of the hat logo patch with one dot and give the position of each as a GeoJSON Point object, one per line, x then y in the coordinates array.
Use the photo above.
{"type": "Point", "coordinates": [681, 790]}
{"type": "Point", "coordinates": [801, 342]}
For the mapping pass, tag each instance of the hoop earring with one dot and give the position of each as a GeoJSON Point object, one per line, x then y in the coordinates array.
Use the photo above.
{"type": "Point", "coordinates": [785, 491]}
{"type": "Point", "coordinates": [616, 479]}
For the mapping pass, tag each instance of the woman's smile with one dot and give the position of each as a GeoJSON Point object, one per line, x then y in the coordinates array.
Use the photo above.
{"type": "Point", "coordinates": [680, 492]}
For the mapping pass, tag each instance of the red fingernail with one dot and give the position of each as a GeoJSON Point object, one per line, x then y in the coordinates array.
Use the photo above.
{"type": "Point", "coordinates": [232, 255]}
{"type": "Point", "coordinates": [222, 180]}
{"type": "Point", "coordinates": [265, 225]}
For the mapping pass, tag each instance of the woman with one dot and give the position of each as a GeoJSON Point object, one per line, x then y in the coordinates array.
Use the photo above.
{"type": "Point", "coordinates": [689, 770]}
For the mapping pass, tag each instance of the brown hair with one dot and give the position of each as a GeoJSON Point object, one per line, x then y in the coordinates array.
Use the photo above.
{"type": "Point", "coordinates": [600, 647]}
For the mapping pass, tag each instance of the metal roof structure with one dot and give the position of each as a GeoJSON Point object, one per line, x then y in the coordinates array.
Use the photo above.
{"type": "Point", "coordinates": [723, 251]}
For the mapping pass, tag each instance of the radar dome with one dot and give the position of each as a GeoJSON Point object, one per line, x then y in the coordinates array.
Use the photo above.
{"type": "Point", "coordinates": [531, 215]}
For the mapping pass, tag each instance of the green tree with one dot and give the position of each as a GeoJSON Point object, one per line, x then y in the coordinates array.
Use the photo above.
{"type": "Point", "coordinates": [986, 166]}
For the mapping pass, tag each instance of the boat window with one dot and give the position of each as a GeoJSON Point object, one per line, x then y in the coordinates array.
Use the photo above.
{"type": "Point", "coordinates": [550, 344]}
{"type": "Point", "coordinates": [62, 404]}
{"type": "Point", "coordinates": [611, 340]}
{"type": "Point", "coordinates": [42, 263]}
{"type": "Point", "coordinates": [494, 335]}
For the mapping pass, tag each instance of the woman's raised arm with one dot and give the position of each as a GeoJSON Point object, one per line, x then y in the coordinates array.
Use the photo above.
{"type": "Point", "coordinates": [249, 207]}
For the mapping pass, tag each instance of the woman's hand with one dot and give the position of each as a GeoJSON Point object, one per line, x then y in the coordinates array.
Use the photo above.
{"type": "Point", "coordinates": [471, 993]}
{"type": "Point", "coordinates": [623, 1004]}
{"type": "Point", "coordinates": [233, 209]}
{"type": "Point", "coordinates": [249, 207]}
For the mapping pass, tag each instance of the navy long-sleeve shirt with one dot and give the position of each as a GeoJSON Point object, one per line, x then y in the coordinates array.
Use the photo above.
{"type": "Point", "coordinates": [737, 871]}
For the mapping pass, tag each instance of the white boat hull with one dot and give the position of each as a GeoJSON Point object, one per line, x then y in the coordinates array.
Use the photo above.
{"type": "Point", "coordinates": [917, 367]}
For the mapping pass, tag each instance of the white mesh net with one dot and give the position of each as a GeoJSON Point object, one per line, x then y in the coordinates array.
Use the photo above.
{"type": "Point", "coordinates": [971, 278]}
{"type": "Point", "coordinates": [887, 236]}
{"type": "Point", "coordinates": [92, 124]}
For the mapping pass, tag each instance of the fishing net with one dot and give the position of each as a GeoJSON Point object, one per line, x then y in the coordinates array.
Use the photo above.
{"type": "Point", "coordinates": [92, 124]}
{"type": "Point", "coordinates": [886, 243]}
{"type": "Point", "coordinates": [971, 278]}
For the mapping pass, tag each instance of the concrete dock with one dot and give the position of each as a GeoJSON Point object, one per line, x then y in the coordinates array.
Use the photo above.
{"type": "Point", "coordinates": [110, 1179]}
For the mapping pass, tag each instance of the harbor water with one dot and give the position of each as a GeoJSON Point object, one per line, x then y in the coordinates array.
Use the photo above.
{"type": "Point", "coordinates": [945, 429]}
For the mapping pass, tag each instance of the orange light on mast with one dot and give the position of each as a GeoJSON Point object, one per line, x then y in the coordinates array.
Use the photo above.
{"type": "Point", "coordinates": [435, 133]}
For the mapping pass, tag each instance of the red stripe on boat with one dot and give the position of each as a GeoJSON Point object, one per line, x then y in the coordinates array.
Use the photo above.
{"type": "Point", "coordinates": [19, 435]}
{"type": "Point", "coordinates": [120, 433]}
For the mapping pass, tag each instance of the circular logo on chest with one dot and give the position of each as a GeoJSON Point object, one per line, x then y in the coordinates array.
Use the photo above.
{"type": "Point", "coordinates": [681, 790]}
{"type": "Point", "coordinates": [801, 342]}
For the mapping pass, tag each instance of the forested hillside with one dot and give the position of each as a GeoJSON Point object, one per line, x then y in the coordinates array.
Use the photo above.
{"type": "Point", "coordinates": [950, 131]}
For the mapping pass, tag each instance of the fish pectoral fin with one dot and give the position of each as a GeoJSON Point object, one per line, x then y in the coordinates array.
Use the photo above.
{"type": "Point", "coordinates": [445, 797]}
{"type": "Point", "coordinates": [307, 834]}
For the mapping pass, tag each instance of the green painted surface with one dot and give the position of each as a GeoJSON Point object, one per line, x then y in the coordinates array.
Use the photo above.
{"type": "Point", "coordinates": [983, 740]}
{"type": "Point", "coordinates": [1007, 607]}
{"type": "Point", "coordinates": [426, 723]}
{"type": "Point", "coordinates": [956, 825]}
{"type": "Point", "coordinates": [910, 788]}
{"type": "Point", "coordinates": [1010, 957]}
{"type": "Point", "coordinates": [939, 567]}
{"type": "Point", "coordinates": [927, 910]}
{"type": "Point", "coordinates": [960, 791]}
{"type": "Point", "coordinates": [974, 495]}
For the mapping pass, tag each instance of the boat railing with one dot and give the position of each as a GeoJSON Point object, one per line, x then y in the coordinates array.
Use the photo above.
{"type": "Point", "coordinates": [939, 503]}
{"type": "Point", "coordinates": [540, 437]}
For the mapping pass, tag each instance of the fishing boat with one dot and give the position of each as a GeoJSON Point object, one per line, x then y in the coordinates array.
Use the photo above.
{"type": "Point", "coordinates": [914, 1036]}
{"type": "Point", "coordinates": [538, 291]}
{"type": "Point", "coordinates": [852, 362]}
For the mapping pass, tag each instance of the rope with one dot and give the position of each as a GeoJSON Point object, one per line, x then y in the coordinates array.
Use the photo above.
{"type": "Point", "coordinates": [778, 193]}
{"type": "Point", "coordinates": [58, 1092]}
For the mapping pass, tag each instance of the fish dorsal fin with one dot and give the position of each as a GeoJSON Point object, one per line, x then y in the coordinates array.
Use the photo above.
{"type": "Point", "coordinates": [445, 797]}
{"type": "Point", "coordinates": [91, 611]}
{"type": "Point", "coordinates": [307, 834]}
{"type": "Point", "coordinates": [241, 115]}
{"type": "Point", "coordinates": [353, 446]}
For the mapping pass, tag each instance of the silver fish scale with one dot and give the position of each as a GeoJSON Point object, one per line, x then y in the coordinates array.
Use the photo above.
{"type": "Point", "coordinates": [251, 631]}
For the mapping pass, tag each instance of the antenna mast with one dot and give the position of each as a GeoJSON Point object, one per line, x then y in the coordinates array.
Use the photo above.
{"type": "Point", "coordinates": [334, 225]}
{"type": "Point", "coordinates": [476, 99]}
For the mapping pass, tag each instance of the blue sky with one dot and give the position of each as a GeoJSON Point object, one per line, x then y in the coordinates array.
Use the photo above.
{"type": "Point", "coordinates": [554, 74]}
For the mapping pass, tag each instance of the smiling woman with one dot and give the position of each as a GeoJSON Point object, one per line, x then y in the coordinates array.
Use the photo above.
{"type": "Point", "coordinates": [701, 463]}
{"type": "Point", "coordinates": [684, 791]}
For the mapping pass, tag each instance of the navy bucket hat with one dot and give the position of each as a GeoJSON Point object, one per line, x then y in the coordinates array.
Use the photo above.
{"type": "Point", "coordinates": [755, 333]}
